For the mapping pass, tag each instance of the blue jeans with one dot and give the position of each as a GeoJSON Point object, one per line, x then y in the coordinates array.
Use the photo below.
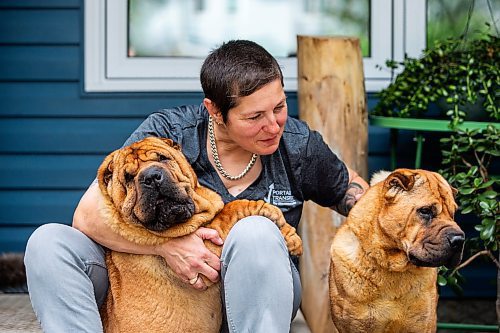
{"type": "Point", "coordinates": [67, 279]}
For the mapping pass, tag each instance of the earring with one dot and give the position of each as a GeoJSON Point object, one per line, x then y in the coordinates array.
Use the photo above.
{"type": "Point", "coordinates": [217, 119]}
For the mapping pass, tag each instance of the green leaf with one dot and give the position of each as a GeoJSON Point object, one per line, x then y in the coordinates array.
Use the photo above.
{"type": "Point", "coordinates": [467, 190]}
{"type": "Point", "coordinates": [487, 232]}
{"type": "Point", "coordinates": [442, 281]}
{"type": "Point", "coordinates": [452, 280]}
{"type": "Point", "coordinates": [490, 194]}
{"type": "Point", "coordinates": [467, 210]}
{"type": "Point", "coordinates": [487, 184]}
{"type": "Point", "coordinates": [487, 221]}
{"type": "Point", "coordinates": [484, 205]}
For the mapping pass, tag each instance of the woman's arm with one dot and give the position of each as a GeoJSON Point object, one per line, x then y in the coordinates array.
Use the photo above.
{"type": "Point", "coordinates": [187, 255]}
{"type": "Point", "coordinates": [355, 189]}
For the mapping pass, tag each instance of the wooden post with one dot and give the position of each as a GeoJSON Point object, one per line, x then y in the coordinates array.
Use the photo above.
{"type": "Point", "coordinates": [332, 101]}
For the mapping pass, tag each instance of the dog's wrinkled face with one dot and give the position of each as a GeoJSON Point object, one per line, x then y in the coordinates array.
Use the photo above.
{"type": "Point", "coordinates": [150, 183]}
{"type": "Point", "coordinates": [418, 216]}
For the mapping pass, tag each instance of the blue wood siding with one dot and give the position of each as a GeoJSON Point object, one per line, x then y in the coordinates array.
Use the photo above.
{"type": "Point", "coordinates": [40, 26]}
{"type": "Point", "coordinates": [53, 136]}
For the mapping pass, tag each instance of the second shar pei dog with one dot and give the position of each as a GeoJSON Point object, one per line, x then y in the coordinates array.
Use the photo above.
{"type": "Point", "coordinates": [151, 194]}
{"type": "Point", "coordinates": [384, 257]}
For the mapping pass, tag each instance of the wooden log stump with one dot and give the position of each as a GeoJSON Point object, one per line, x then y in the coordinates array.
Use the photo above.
{"type": "Point", "coordinates": [332, 101]}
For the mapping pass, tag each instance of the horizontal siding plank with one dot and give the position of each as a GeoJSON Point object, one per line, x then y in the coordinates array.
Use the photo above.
{"type": "Point", "coordinates": [377, 163]}
{"type": "Point", "coordinates": [33, 208]}
{"type": "Point", "coordinates": [371, 100]}
{"type": "Point", "coordinates": [62, 99]}
{"type": "Point", "coordinates": [78, 171]}
{"type": "Point", "coordinates": [292, 104]}
{"type": "Point", "coordinates": [40, 4]}
{"type": "Point", "coordinates": [39, 63]}
{"type": "Point", "coordinates": [31, 26]}
{"type": "Point", "coordinates": [379, 140]}
{"type": "Point", "coordinates": [480, 281]}
{"type": "Point", "coordinates": [14, 239]}
{"type": "Point", "coordinates": [85, 136]}
{"type": "Point", "coordinates": [48, 171]}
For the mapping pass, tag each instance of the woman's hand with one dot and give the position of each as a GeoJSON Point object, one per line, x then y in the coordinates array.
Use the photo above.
{"type": "Point", "coordinates": [355, 189]}
{"type": "Point", "coordinates": [188, 257]}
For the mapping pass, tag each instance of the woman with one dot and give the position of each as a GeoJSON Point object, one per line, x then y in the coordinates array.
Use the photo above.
{"type": "Point", "coordinates": [241, 144]}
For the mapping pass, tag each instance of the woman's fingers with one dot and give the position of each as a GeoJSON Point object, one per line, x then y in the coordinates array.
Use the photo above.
{"type": "Point", "coordinates": [209, 234]}
{"type": "Point", "coordinates": [190, 259]}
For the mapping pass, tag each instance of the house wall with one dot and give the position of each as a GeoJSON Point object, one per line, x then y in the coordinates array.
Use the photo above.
{"type": "Point", "coordinates": [53, 135]}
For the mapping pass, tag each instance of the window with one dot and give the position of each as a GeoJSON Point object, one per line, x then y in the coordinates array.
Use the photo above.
{"type": "Point", "coordinates": [448, 18]}
{"type": "Point", "coordinates": [118, 59]}
{"type": "Point", "coordinates": [190, 28]}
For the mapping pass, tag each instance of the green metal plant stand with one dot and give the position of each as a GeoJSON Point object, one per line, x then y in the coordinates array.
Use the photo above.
{"type": "Point", "coordinates": [467, 327]}
{"type": "Point", "coordinates": [419, 126]}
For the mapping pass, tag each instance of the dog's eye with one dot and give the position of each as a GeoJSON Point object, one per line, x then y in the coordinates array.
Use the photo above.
{"type": "Point", "coordinates": [162, 158]}
{"type": "Point", "coordinates": [426, 212]}
{"type": "Point", "coordinates": [128, 177]}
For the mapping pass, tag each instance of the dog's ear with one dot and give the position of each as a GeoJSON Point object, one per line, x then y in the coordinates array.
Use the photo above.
{"type": "Point", "coordinates": [171, 143]}
{"type": "Point", "coordinates": [399, 180]}
{"type": "Point", "coordinates": [105, 171]}
{"type": "Point", "coordinates": [379, 176]}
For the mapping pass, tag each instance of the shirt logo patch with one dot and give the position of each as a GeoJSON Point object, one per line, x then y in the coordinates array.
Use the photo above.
{"type": "Point", "coordinates": [280, 197]}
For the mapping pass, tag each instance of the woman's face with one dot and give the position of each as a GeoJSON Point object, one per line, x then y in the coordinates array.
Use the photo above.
{"type": "Point", "coordinates": [256, 124]}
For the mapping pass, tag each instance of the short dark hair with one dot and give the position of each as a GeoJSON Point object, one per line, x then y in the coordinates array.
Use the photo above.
{"type": "Point", "coordinates": [236, 69]}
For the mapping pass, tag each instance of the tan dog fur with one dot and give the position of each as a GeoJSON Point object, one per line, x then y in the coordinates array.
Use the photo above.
{"type": "Point", "coordinates": [145, 295]}
{"type": "Point", "coordinates": [375, 283]}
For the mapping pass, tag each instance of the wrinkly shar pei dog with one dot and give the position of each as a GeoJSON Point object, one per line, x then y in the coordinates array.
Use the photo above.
{"type": "Point", "coordinates": [151, 194]}
{"type": "Point", "coordinates": [384, 257]}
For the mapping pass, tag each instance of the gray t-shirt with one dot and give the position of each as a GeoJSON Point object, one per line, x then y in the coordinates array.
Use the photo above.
{"type": "Point", "coordinates": [303, 168]}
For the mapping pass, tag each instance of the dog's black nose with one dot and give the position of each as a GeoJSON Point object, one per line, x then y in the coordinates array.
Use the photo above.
{"type": "Point", "coordinates": [153, 176]}
{"type": "Point", "coordinates": [456, 240]}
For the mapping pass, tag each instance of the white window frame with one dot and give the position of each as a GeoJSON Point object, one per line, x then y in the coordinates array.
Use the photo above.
{"type": "Point", "coordinates": [398, 27]}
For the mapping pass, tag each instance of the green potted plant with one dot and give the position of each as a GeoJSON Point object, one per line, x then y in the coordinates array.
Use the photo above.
{"type": "Point", "coordinates": [464, 76]}
{"type": "Point", "coordinates": [455, 71]}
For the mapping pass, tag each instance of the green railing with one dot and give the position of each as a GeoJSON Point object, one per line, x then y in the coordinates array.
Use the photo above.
{"type": "Point", "coordinates": [467, 327]}
{"type": "Point", "coordinates": [420, 126]}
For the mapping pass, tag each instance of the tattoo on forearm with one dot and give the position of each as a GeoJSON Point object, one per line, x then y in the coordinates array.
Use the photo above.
{"type": "Point", "coordinates": [349, 199]}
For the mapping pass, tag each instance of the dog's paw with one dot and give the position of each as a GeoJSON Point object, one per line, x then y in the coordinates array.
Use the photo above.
{"type": "Point", "coordinates": [294, 244]}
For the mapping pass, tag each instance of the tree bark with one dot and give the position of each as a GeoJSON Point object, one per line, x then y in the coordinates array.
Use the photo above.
{"type": "Point", "coordinates": [332, 101]}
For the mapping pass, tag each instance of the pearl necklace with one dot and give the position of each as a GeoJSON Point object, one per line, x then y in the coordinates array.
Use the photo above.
{"type": "Point", "coordinates": [215, 155]}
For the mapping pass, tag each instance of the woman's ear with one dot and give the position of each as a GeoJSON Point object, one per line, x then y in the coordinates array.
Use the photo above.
{"type": "Point", "coordinates": [213, 110]}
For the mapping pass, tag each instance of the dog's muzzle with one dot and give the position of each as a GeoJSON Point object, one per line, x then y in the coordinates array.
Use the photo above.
{"type": "Point", "coordinates": [163, 203]}
{"type": "Point", "coordinates": [443, 249]}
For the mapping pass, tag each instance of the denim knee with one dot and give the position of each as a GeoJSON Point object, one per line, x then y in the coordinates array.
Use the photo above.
{"type": "Point", "coordinates": [44, 248]}
{"type": "Point", "coordinates": [255, 237]}
{"type": "Point", "coordinates": [55, 252]}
